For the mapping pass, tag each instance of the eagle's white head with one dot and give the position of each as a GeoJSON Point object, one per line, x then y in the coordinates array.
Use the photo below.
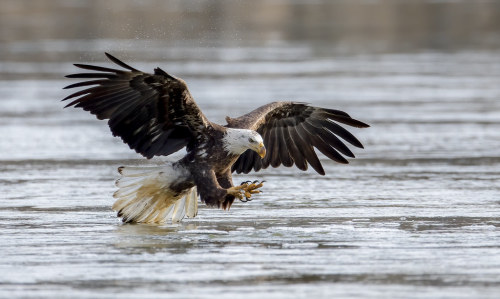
{"type": "Point", "coordinates": [237, 141]}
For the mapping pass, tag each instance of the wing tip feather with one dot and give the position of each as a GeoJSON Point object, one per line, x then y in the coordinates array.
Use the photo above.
{"type": "Point", "coordinates": [119, 62]}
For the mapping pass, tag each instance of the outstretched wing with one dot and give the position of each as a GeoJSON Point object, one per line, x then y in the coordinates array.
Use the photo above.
{"type": "Point", "coordinates": [153, 113]}
{"type": "Point", "coordinates": [291, 131]}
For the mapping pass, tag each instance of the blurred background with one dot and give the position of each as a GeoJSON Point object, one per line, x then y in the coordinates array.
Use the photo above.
{"type": "Point", "coordinates": [53, 31]}
{"type": "Point", "coordinates": [415, 215]}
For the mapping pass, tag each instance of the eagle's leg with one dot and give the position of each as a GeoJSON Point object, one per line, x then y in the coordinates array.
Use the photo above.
{"type": "Point", "coordinates": [237, 191]}
{"type": "Point", "coordinates": [250, 188]}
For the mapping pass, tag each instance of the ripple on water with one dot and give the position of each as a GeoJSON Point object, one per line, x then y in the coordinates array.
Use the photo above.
{"type": "Point", "coordinates": [416, 215]}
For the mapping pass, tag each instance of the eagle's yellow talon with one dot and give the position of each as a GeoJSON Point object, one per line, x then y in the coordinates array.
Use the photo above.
{"type": "Point", "coordinates": [253, 186]}
{"type": "Point", "coordinates": [236, 191]}
{"type": "Point", "coordinates": [244, 191]}
{"type": "Point", "coordinates": [250, 188]}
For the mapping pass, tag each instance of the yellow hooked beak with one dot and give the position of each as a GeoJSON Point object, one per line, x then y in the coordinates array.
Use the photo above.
{"type": "Point", "coordinates": [261, 150]}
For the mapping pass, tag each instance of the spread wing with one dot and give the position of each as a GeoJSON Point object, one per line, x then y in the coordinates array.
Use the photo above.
{"type": "Point", "coordinates": [291, 131]}
{"type": "Point", "coordinates": [153, 113]}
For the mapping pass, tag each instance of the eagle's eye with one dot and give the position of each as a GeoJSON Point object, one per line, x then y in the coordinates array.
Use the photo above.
{"type": "Point", "coordinates": [252, 140]}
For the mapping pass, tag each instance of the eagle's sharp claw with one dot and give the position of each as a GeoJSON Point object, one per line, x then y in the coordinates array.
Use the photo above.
{"type": "Point", "coordinates": [236, 191]}
{"type": "Point", "coordinates": [244, 191]}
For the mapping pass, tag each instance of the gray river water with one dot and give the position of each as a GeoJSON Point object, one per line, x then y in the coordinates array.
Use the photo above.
{"type": "Point", "coordinates": [415, 215]}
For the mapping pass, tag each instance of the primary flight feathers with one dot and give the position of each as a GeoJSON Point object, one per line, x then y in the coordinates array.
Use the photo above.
{"type": "Point", "coordinates": [153, 113]}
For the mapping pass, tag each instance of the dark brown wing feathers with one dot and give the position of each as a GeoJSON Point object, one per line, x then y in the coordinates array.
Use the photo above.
{"type": "Point", "coordinates": [153, 113]}
{"type": "Point", "coordinates": [291, 131]}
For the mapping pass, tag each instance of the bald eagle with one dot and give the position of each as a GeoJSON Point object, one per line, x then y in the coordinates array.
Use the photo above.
{"type": "Point", "coordinates": [156, 115]}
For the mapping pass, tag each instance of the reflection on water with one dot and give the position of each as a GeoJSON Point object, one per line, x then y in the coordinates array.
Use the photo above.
{"type": "Point", "coordinates": [414, 216]}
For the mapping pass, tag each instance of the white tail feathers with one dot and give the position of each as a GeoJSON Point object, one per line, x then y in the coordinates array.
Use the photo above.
{"type": "Point", "coordinates": [144, 196]}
